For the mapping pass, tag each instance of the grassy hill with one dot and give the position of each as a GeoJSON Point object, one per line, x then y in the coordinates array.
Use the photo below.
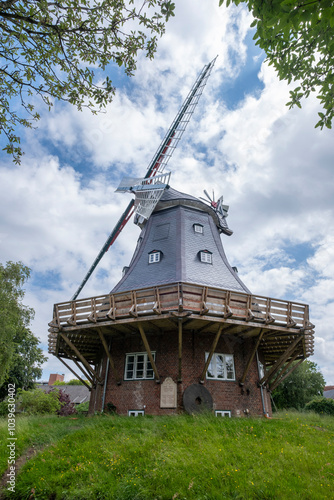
{"type": "Point", "coordinates": [203, 457]}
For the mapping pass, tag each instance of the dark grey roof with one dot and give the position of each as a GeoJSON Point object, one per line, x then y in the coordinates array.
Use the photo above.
{"type": "Point", "coordinates": [78, 393]}
{"type": "Point", "coordinates": [329, 394]}
{"type": "Point", "coordinates": [170, 230]}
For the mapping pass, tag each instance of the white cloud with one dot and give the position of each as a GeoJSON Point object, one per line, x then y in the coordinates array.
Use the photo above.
{"type": "Point", "coordinates": [272, 166]}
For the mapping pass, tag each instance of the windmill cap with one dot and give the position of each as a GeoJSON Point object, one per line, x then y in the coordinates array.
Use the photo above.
{"type": "Point", "coordinates": [171, 197]}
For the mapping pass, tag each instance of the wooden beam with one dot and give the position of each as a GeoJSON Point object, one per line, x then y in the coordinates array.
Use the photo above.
{"type": "Point", "coordinates": [88, 376]}
{"type": "Point", "coordinates": [243, 378]}
{"type": "Point", "coordinates": [149, 353]}
{"type": "Point", "coordinates": [213, 347]}
{"type": "Point", "coordinates": [111, 361]}
{"type": "Point", "coordinates": [81, 380]}
{"type": "Point", "coordinates": [80, 356]}
{"type": "Point", "coordinates": [180, 350]}
{"type": "Point", "coordinates": [280, 361]}
{"type": "Point", "coordinates": [280, 379]}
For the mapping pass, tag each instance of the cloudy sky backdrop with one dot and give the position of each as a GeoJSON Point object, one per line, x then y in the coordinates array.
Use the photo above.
{"type": "Point", "coordinates": [272, 166]}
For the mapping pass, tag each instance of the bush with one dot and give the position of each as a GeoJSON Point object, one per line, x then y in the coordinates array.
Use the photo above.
{"type": "Point", "coordinates": [74, 381]}
{"type": "Point", "coordinates": [324, 406]}
{"type": "Point", "coordinates": [4, 407]}
{"type": "Point", "coordinates": [66, 407]}
{"type": "Point", "coordinates": [82, 408]}
{"type": "Point", "coordinates": [38, 402]}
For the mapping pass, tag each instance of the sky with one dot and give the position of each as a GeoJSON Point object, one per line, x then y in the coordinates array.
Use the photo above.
{"type": "Point", "coordinates": [272, 166]}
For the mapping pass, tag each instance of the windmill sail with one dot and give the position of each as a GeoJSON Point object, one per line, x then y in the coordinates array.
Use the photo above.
{"type": "Point", "coordinates": [159, 160]}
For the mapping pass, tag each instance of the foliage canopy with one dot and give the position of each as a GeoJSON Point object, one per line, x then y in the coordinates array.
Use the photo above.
{"type": "Point", "coordinates": [301, 386]}
{"type": "Point", "coordinates": [20, 356]}
{"type": "Point", "coordinates": [298, 40]}
{"type": "Point", "coordinates": [50, 49]}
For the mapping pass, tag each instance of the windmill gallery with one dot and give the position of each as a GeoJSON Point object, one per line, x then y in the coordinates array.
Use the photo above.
{"type": "Point", "coordinates": [180, 331]}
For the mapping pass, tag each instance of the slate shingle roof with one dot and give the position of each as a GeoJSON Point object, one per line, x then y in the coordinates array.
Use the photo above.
{"type": "Point", "coordinates": [170, 230]}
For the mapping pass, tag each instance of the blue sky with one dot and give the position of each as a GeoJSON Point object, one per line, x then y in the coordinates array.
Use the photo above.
{"type": "Point", "coordinates": [273, 168]}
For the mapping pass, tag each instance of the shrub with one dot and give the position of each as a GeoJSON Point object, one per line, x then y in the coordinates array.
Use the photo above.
{"type": "Point", "coordinates": [111, 408]}
{"type": "Point", "coordinates": [82, 408]}
{"type": "Point", "coordinates": [74, 381]}
{"type": "Point", "coordinates": [59, 382]}
{"type": "Point", "coordinates": [66, 407]}
{"type": "Point", "coordinates": [4, 407]}
{"type": "Point", "coordinates": [38, 402]}
{"type": "Point", "coordinates": [324, 406]}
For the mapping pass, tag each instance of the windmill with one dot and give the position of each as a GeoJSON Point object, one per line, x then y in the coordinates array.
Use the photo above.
{"type": "Point", "coordinates": [156, 166]}
{"type": "Point", "coordinates": [180, 330]}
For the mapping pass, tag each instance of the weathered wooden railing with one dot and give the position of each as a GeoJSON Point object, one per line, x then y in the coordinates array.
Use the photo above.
{"type": "Point", "coordinates": [201, 300]}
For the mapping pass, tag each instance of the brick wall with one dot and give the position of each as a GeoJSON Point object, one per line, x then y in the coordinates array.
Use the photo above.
{"type": "Point", "coordinates": [145, 394]}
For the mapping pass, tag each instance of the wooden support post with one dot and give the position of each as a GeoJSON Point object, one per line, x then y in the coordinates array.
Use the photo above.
{"type": "Point", "coordinates": [80, 356]}
{"type": "Point", "coordinates": [149, 353]}
{"type": "Point", "coordinates": [213, 347]}
{"type": "Point", "coordinates": [180, 350]}
{"type": "Point", "coordinates": [81, 380]}
{"type": "Point", "coordinates": [280, 361]}
{"type": "Point", "coordinates": [243, 378]}
{"type": "Point", "coordinates": [88, 376]}
{"type": "Point", "coordinates": [111, 361]}
{"type": "Point", "coordinates": [280, 379]}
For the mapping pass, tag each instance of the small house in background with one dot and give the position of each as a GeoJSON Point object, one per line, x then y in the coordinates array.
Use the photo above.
{"type": "Point", "coordinates": [77, 393]}
{"type": "Point", "coordinates": [329, 391]}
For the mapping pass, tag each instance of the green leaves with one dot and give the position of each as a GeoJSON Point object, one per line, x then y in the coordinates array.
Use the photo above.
{"type": "Point", "coordinates": [14, 316]}
{"type": "Point", "coordinates": [50, 49]}
{"type": "Point", "coordinates": [298, 41]}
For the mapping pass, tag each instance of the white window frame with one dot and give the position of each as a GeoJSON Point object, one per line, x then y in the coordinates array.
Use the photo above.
{"type": "Point", "coordinates": [217, 369]}
{"type": "Point", "coordinates": [154, 257]}
{"type": "Point", "coordinates": [198, 228]}
{"type": "Point", "coordinates": [206, 257]}
{"type": "Point", "coordinates": [223, 413]}
{"type": "Point", "coordinates": [145, 367]}
{"type": "Point", "coordinates": [136, 413]}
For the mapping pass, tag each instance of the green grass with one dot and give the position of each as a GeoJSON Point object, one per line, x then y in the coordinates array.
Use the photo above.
{"type": "Point", "coordinates": [180, 457]}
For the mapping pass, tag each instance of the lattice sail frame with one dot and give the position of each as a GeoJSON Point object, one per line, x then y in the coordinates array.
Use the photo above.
{"type": "Point", "coordinates": [148, 192]}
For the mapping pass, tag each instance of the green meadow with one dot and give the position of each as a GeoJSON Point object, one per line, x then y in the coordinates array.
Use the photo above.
{"type": "Point", "coordinates": [290, 456]}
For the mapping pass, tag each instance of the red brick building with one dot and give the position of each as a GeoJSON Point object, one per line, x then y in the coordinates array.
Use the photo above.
{"type": "Point", "coordinates": [181, 331]}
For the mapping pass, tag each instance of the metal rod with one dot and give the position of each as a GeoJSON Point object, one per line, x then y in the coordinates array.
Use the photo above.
{"type": "Point", "coordinates": [160, 158]}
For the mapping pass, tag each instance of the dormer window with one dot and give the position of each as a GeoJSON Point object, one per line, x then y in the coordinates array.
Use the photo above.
{"type": "Point", "coordinates": [154, 257]}
{"type": "Point", "coordinates": [205, 256]}
{"type": "Point", "coordinates": [198, 228]}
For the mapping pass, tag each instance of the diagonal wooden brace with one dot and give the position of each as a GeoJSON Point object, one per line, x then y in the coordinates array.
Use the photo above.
{"type": "Point", "coordinates": [149, 352]}
{"type": "Point", "coordinates": [89, 376]}
{"type": "Point", "coordinates": [280, 361]}
{"type": "Point", "coordinates": [286, 373]}
{"type": "Point", "coordinates": [243, 378]}
{"type": "Point", "coordinates": [111, 361]}
{"type": "Point", "coordinates": [80, 356]}
{"type": "Point", "coordinates": [213, 347]}
{"type": "Point", "coordinates": [74, 373]}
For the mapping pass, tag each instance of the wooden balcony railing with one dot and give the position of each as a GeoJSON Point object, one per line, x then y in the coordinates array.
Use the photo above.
{"type": "Point", "coordinates": [207, 302]}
